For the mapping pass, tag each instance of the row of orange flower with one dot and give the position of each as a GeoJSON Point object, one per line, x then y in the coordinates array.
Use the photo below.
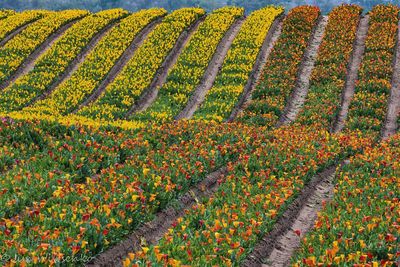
{"type": "Point", "coordinates": [279, 75]}
{"type": "Point", "coordinates": [369, 105]}
{"type": "Point", "coordinates": [361, 227]}
{"type": "Point", "coordinates": [329, 75]}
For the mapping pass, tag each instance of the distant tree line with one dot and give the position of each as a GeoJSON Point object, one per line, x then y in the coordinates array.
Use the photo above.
{"type": "Point", "coordinates": [133, 5]}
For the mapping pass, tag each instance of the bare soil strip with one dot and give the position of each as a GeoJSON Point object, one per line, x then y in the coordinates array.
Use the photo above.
{"type": "Point", "coordinates": [151, 232]}
{"type": "Point", "coordinates": [391, 126]}
{"type": "Point", "coordinates": [121, 62]}
{"type": "Point", "coordinates": [73, 66]}
{"type": "Point", "coordinates": [16, 32]}
{"type": "Point", "coordinates": [263, 55]}
{"type": "Point", "coordinates": [352, 74]}
{"type": "Point", "coordinates": [150, 94]}
{"type": "Point", "coordinates": [211, 73]}
{"type": "Point", "coordinates": [300, 91]}
{"type": "Point", "coordinates": [29, 63]}
{"type": "Point", "coordinates": [277, 247]}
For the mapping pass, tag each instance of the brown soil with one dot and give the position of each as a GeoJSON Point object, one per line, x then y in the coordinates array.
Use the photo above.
{"type": "Point", "coordinates": [277, 247]}
{"type": "Point", "coordinates": [150, 94]}
{"type": "Point", "coordinates": [211, 73]}
{"type": "Point", "coordinates": [302, 86]}
{"type": "Point", "coordinates": [119, 65]}
{"type": "Point", "coordinates": [29, 62]}
{"type": "Point", "coordinates": [352, 74]}
{"type": "Point", "coordinates": [153, 231]}
{"type": "Point", "coordinates": [15, 32]}
{"type": "Point", "coordinates": [265, 51]}
{"type": "Point", "coordinates": [391, 126]}
{"type": "Point", "coordinates": [73, 66]}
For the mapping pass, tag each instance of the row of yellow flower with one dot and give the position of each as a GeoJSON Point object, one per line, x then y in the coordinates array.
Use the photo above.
{"type": "Point", "coordinates": [191, 66]}
{"type": "Point", "coordinates": [96, 65]}
{"type": "Point", "coordinates": [329, 75]}
{"type": "Point", "coordinates": [55, 61]}
{"type": "Point", "coordinates": [138, 74]}
{"type": "Point", "coordinates": [279, 75]}
{"type": "Point", "coordinates": [361, 226]}
{"type": "Point", "coordinates": [369, 105]}
{"type": "Point", "coordinates": [4, 13]}
{"type": "Point", "coordinates": [238, 64]}
{"type": "Point", "coordinates": [12, 23]}
{"type": "Point", "coordinates": [14, 53]}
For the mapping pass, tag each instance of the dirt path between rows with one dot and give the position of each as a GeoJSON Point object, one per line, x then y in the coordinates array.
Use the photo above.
{"type": "Point", "coordinates": [269, 42]}
{"type": "Point", "coordinates": [150, 94]}
{"type": "Point", "coordinates": [120, 63]}
{"type": "Point", "coordinates": [73, 66]}
{"type": "Point", "coordinates": [211, 72]}
{"type": "Point", "coordinates": [16, 31]}
{"type": "Point", "coordinates": [300, 91]}
{"type": "Point", "coordinates": [153, 231]}
{"type": "Point", "coordinates": [390, 126]}
{"type": "Point", "coordinates": [30, 61]}
{"type": "Point", "coordinates": [352, 74]}
{"type": "Point", "coordinates": [277, 247]}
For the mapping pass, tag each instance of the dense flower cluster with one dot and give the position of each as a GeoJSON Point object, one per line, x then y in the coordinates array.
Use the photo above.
{"type": "Point", "coordinates": [4, 13]}
{"type": "Point", "coordinates": [138, 74]}
{"type": "Point", "coordinates": [328, 77]}
{"type": "Point", "coordinates": [68, 95]}
{"type": "Point", "coordinates": [369, 105]}
{"type": "Point", "coordinates": [55, 61]}
{"type": "Point", "coordinates": [12, 23]}
{"type": "Point", "coordinates": [13, 54]}
{"type": "Point", "coordinates": [228, 86]}
{"type": "Point", "coordinates": [221, 230]}
{"type": "Point", "coordinates": [360, 227]}
{"type": "Point", "coordinates": [279, 75]}
{"type": "Point", "coordinates": [190, 67]}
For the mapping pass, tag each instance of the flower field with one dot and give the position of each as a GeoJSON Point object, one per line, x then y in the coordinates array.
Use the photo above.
{"type": "Point", "coordinates": [86, 178]}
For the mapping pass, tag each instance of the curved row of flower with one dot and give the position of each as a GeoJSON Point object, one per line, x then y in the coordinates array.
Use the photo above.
{"type": "Point", "coordinates": [14, 52]}
{"type": "Point", "coordinates": [228, 86]}
{"type": "Point", "coordinates": [12, 23]}
{"type": "Point", "coordinates": [56, 60]}
{"type": "Point", "coordinates": [4, 13]}
{"type": "Point", "coordinates": [369, 105]}
{"type": "Point", "coordinates": [360, 227]}
{"type": "Point", "coordinates": [82, 219]}
{"type": "Point", "coordinates": [279, 75]}
{"type": "Point", "coordinates": [138, 74]}
{"type": "Point", "coordinates": [191, 66]}
{"type": "Point", "coordinates": [96, 65]}
{"type": "Point", "coordinates": [329, 75]}
{"type": "Point", "coordinates": [223, 229]}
